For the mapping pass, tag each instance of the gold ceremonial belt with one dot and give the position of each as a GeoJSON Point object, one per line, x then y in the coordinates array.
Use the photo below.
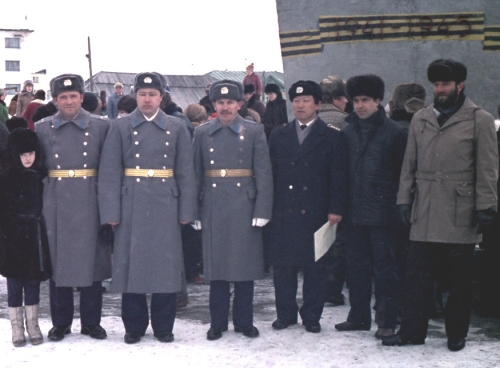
{"type": "Point", "coordinates": [72, 173]}
{"type": "Point", "coordinates": [228, 173]}
{"type": "Point", "coordinates": [149, 173]}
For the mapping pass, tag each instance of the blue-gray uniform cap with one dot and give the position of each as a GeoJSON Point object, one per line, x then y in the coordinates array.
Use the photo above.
{"type": "Point", "coordinates": [229, 89]}
{"type": "Point", "coordinates": [66, 82]}
{"type": "Point", "coordinates": [150, 80]}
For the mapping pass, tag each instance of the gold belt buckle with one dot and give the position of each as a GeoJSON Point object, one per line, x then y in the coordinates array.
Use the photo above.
{"type": "Point", "coordinates": [71, 173]}
{"type": "Point", "coordinates": [151, 173]}
{"type": "Point", "coordinates": [223, 173]}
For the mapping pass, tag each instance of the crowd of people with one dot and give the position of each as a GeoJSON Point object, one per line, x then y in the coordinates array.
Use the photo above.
{"type": "Point", "coordinates": [228, 188]}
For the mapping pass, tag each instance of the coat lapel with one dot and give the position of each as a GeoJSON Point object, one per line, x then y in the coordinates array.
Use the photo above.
{"type": "Point", "coordinates": [315, 136]}
{"type": "Point", "coordinates": [290, 141]}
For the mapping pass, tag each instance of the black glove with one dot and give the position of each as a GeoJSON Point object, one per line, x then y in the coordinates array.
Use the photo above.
{"type": "Point", "coordinates": [106, 234]}
{"type": "Point", "coordinates": [484, 218]}
{"type": "Point", "coordinates": [405, 213]}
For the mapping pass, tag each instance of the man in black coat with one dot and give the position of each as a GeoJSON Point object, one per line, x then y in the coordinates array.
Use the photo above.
{"type": "Point", "coordinates": [376, 146]}
{"type": "Point", "coordinates": [309, 170]}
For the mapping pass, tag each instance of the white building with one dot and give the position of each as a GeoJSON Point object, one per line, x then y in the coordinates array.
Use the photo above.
{"type": "Point", "coordinates": [13, 60]}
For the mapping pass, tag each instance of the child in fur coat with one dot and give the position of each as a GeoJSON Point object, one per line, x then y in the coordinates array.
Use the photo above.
{"type": "Point", "coordinates": [24, 250]}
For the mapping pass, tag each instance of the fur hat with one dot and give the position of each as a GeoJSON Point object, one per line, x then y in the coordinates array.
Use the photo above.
{"type": "Point", "coordinates": [366, 85]}
{"type": "Point", "coordinates": [250, 67]}
{"type": "Point", "coordinates": [40, 95]}
{"type": "Point", "coordinates": [28, 83]}
{"type": "Point", "coordinates": [248, 88]}
{"type": "Point", "coordinates": [22, 140]}
{"type": "Point", "coordinates": [226, 89]}
{"type": "Point", "coordinates": [90, 101]}
{"type": "Point", "coordinates": [126, 103]}
{"type": "Point", "coordinates": [305, 88]}
{"type": "Point", "coordinates": [65, 83]}
{"type": "Point", "coordinates": [404, 92]}
{"type": "Point", "coordinates": [446, 70]}
{"type": "Point", "coordinates": [332, 87]}
{"type": "Point", "coordinates": [150, 80]}
{"type": "Point", "coordinates": [196, 113]}
{"type": "Point", "coordinates": [16, 122]}
{"type": "Point", "coordinates": [118, 84]}
{"type": "Point", "coordinates": [272, 88]}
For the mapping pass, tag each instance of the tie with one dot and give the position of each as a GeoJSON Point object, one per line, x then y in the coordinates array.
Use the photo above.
{"type": "Point", "coordinates": [303, 126]}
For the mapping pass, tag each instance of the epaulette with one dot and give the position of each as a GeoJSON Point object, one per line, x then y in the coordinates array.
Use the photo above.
{"type": "Point", "coordinates": [333, 127]}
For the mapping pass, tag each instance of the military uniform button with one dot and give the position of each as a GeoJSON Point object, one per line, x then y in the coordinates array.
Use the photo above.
{"type": "Point", "coordinates": [305, 188]}
{"type": "Point", "coordinates": [58, 178]}
{"type": "Point", "coordinates": [212, 162]}
{"type": "Point", "coordinates": [166, 143]}
{"type": "Point", "coordinates": [136, 143]}
{"type": "Point", "coordinates": [58, 166]}
{"type": "Point", "coordinates": [137, 167]}
{"type": "Point", "coordinates": [291, 187]}
{"type": "Point", "coordinates": [165, 156]}
{"type": "Point", "coordinates": [85, 153]}
{"type": "Point", "coordinates": [56, 155]}
{"type": "Point", "coordinates": [303, 212]}
{"type": "Point", "coordinates": [85, 176]}
{"type": "Point", "coordinates": [238, 185]}
{"type": "Point", "coordinates": [164, 167]}
{"type": "Point", "coordinates": [211, 149]}
{"type": "Point", "coordinates": [138, 180]}
{"type": "Point", "coordinates": [137, 155]}
{"type": "Point", "coordinates": [241, 137]}
{"type": "Point", "coordinates": [168, 131]}
{"type": "Point", "coordinates": [87, 134]}
{"type": "Point", "coordinates": [163, 180]}
{"type": "Point", "coordinates": [135, 133]}
{"type": "Point", "coordinates": [214, 185]}
{"type": "Point", "coordinates": [84, 165]}
{"type": "Point", "coordinates": [85, 143]}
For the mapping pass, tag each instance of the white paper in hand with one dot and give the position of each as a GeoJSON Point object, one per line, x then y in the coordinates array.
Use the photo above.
{"type": "Point", "coordinates": [323, 239]}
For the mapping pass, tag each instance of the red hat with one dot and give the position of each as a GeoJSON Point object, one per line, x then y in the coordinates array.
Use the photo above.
{"type": "Point", "coordinates": [250, 67]}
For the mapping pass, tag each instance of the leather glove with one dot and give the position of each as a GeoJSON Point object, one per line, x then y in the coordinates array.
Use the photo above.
{"type": "Point", "coordinates": [405, 214]}
{"type": "Point", "coordinates": [196, 225]}
{"type": "Point", "coordinates": [484, 218]}
{"type": "Point", "coordinates": [259, 222]}
{"type": "Point", "coordinates": [107, 234]}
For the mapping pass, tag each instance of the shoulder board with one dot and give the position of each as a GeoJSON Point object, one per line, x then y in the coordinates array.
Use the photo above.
{"type": "Point", "coordinates": [333, 127]}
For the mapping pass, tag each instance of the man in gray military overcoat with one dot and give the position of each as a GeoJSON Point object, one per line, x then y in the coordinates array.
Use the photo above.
{"type": "Point", "coordinates": [72, 140]}
{"type": "Point", "coordinates": [235, 190]}
{"type": "Point", "coordinates": [147, 190]}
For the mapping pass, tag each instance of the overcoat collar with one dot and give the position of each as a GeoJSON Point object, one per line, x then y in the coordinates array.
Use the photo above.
{"type": "Point", "coordinates": [291, 140]}
{"type": "Point", "coordinates": [466, 112]}
{"type": "Point", "coordinates": [236, 125]}
{"type": "Point", "coordinates": [160, 119]}
{"type": "Point", "coordinates": [81, 119]}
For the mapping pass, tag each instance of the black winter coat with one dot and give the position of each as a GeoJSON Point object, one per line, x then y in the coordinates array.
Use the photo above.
{"type": "Point", "coordinates": [374, 169]}
{"type": "Point", "coordinates": [24, 249]}
{"type": "Point", "coordinates": [275, 115]}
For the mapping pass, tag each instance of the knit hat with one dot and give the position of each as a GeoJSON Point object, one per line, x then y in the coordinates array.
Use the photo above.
{"type": "Point", "coordinates": [272, 88]}
{"type": "Point", "coordinates": [226, 89]}
{"type": "Point", "coordinates": [332, 87]}
{"type": "Point", "coordinates": [305, 88]}
{"type": "Point", "coordinates": [65, 83]}
{"type": "Point", "coordinates": [366, 85]}
{"type": "Point", "coordinates": [28, 83]}
{"type": "Point", "coordinates": [248, 88]}
{"type": "Point", "coordinates": [150, 80]}
{"type": "Point", "coordinates": [404, 92]}
{"type": "Point", "coordinates": [250, 67]}
{"type": "Point", "coordinates": [446, 70]}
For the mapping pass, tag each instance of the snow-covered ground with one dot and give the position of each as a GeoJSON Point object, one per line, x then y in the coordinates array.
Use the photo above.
{"type": "Point", "coordinates": [292, 347]}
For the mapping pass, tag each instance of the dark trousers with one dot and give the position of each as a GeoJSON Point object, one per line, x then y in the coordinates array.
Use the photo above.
{"type": "Point", "coordinates": [62, 304]}
{"type": "Point", "coordinates": [192, 250]}
{"type": "Point", "coordinates": [15, 288]}
{"type": "Point", "coordinates": [313, 292]}
{"type": "Point", "coordinates": [423, 260]}
{"type": "Point", "coordinates": [135, 314]}
{"type": "Point", "coordinates": [371, 253]}
{"type": "Point", "coordinates": [336, 272]}
{"type": "Point", "coordinates": [220, 296]}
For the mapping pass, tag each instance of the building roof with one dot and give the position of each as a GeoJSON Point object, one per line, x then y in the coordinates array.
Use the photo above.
{"type": "Point", "coordinates": [16, 30]}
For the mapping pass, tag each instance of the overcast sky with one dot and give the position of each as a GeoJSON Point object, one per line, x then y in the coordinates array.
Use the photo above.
{"type": "Point", "coordinates": [171, 37]}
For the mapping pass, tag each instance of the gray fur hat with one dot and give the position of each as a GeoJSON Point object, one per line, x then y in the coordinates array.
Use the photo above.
{"type": "Point", "coordinates": [226, 89]}
{"type": "Point", "coordinates": [446, 70]}
{"type": "Point", "coordinates": [370, 85]}
{"type": "Point", "coordinates": [150, 80]}
{"type": "Point", "coordinates": [66, 82]}
{"type": "Point", "coordinates": [405, 92]}
{"type": "Point", "coordinates": [332, 87]}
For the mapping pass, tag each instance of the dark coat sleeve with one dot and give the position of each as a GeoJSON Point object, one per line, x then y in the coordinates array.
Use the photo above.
{"type": "Point", "coordinates": [338, 175]}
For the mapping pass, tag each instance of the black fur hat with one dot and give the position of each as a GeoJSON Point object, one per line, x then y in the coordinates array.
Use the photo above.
{"type": "Point", "coordinates": [248, 88]}
{"type": "Point", "coordinates": [22, 140]}
{"type": "Point", "coordinates": [90, 101]}
{"type": "Point", "coordinates": [65, 83]}
{"type": "Point", "coordinates": [126, 103]}
{"type": "Point", "coordinates": [226, 89]}
{"type": "Point", "coordinates": [446, 70]}
{"type": "Point", "coordinates": [272, 88]}
{"type": "Point", "coordinates": [305, 88]}
{"type": "Point", "coordinates": [370, 85]}
{"type": "Point", "coordinates": [16, 122]}
{"type": "Point", "coordinates": [150, 80]}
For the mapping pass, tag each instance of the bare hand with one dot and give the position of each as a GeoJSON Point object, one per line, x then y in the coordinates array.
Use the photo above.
{"type": "Point", "coordinates": [334, 219]}
{"type": "Point", "coordinates": [113, 224]}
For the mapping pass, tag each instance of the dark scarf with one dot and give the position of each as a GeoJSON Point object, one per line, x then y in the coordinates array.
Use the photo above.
{"type": "Point", "coordinates": [445, 114]}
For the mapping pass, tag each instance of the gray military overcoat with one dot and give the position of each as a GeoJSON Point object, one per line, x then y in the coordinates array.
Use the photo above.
{"type": "Point", "coordinates": [448, 173]}
{"type": "Point", "coordinates": [70, 206]}
{"type": "Point", "coordinates": [147, 254]}
{"type": "Point", "coordinates": [232, 247]}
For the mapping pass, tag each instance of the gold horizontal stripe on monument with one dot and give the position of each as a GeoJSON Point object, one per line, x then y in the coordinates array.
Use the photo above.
{"type": "Point", "coordinates": [149, 173]}
{"type": "Point", "coordinates": [427, 38]}
{"type": "Point", "coordinates": [491, 43]}
{"type": "Point", "coordinates": [366, 16]}
{"type": "Point", "coordinates": [72, 173]}
{"type": "Point", "coordinates": [317, 47]}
